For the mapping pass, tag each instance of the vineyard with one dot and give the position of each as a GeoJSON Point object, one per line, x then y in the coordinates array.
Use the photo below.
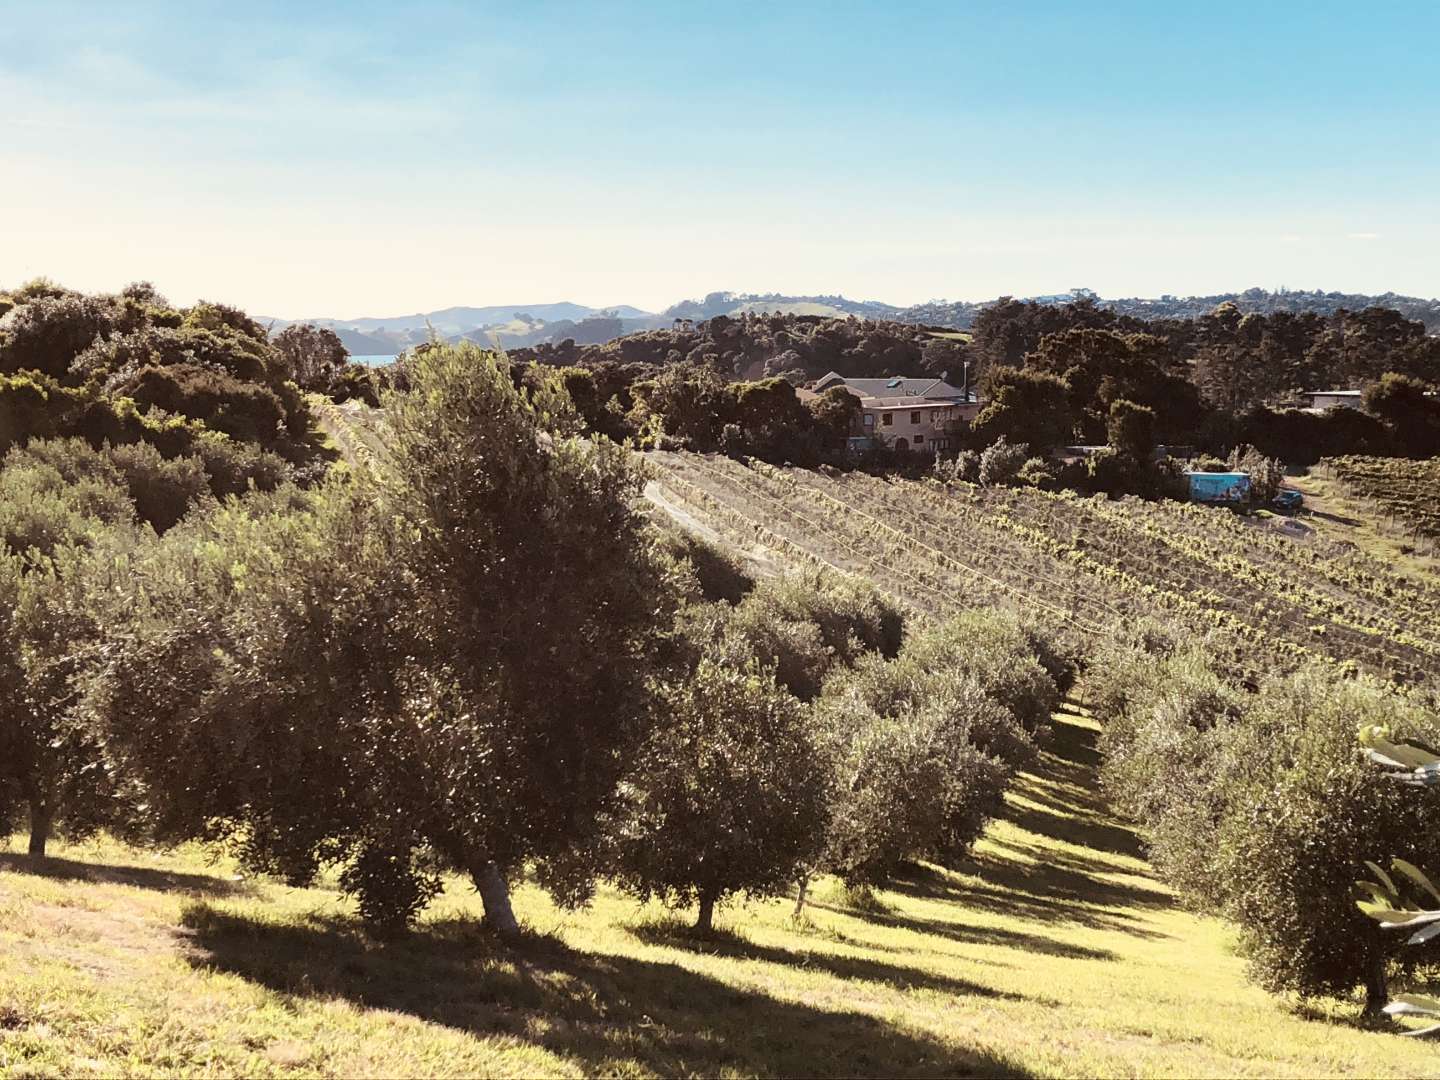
{"type": "Point", "coordinates": [1093, 565]}
{"type": "Point", "coordinates": [1401, 491]}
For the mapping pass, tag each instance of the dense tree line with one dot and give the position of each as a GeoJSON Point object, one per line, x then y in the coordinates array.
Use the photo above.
{"type": "Point", "coordinates": [1052, 375]}
{"type": "Point", "coordinates": [962, 314]}
{"type": "Point", "coordinates": [203, 381]}
{"type": "Point", "coordinates": [753, 346]}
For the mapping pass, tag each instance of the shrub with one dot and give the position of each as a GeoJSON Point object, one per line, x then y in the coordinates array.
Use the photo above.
{"type": "Point", "coordinates": [717, 574]}
{"type": "Point", "coordinates": [1266, 474]}
{"type": "Point", "coordinates": [354, 382]}
{"type": "Point", "coordinates": [1258, 807]}
{"type": "Point", "coordinates": [998, 652]}
{"type": "Point", "coordinates": [312, 356]}
{"type": "Point", "coordinates": [242, 410]}
{"type": "Point", "coordinates": [162, 490]}
{"type": "Point", "coordinates": [1039, 473]}
{"type": "Point", "coordinates": [54, 493]}
{"type": "Point", "coordinates": [1001, 462]}
{"type": "Point", "coordinates": [233, 467]}
{"type": "Point", "coordinates": [1157, 751]}
{"type": "Point", "coordinates": [29, 407]}
{"type": "Point", "coordinates": [963, 467]}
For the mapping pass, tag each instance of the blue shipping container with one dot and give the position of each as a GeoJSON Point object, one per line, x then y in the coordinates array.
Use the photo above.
{"type": "Point", "coordinates": [1221, 487]}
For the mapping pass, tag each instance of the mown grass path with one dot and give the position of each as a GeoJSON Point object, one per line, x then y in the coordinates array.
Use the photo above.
{"type": "Point", "coordinates": [1053, 952]}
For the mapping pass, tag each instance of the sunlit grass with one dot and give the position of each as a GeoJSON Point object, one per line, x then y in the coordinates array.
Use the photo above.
{"type": "Point", "coordinates": [1053, 953]}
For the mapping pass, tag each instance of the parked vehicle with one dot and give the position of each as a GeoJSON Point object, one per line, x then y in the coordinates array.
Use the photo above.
{"type": "Point", "coordinates": [1289, 500]}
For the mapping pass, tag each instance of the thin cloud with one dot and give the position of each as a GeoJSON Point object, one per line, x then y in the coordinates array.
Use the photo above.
{"type": "Point", "coordinates": [1363, 236]}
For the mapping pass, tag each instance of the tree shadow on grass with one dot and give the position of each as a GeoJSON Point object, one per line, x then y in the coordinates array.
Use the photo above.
{"type": "Point", "coordinates": [1061, 801]}
{"type": "Point", "coordinates": [1040, 893]}
{"type": "Point", "coordinates": [608, 1014]}
{"type": "Point", "coordinates": [1000, 936]}
{"type": "Point", "coordinates": [1326, 515]}
{"type": "Point", "coordinates": [1051, 817]}
{"type": "Point", "coordinates": [139, 877]}
{"type": "Point", "coordinates": [729, 944]}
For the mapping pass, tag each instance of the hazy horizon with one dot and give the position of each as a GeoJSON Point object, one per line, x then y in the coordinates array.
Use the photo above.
{"type": "Point", "coordinates": [348, 159]}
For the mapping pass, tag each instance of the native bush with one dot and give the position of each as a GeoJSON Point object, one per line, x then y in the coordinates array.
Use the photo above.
{"type": "Point", "coordinates": [94, 481]}
{"type": "Point", "coordinates": [313, 356]}
{"type": "Point", "coordinates": [58, 493]}
{"type": "Point", "coordinates": [46, 333]}
{"type": "Point", "coordinates": [242, 410]}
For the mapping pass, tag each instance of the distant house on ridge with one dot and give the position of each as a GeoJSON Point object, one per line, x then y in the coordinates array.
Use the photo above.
{"type": "Point", "coordinates": [905, 413]}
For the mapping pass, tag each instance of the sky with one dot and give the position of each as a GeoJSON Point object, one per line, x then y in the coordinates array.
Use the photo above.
{"type": "Point", "coordinates": [348, 159]}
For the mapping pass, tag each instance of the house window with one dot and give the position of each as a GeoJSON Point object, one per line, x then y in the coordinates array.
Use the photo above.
{"type": "Point", "coordinates": [914, 416]}
{"type": "Point", "coordinates": [887, 419]}
{"type": "Point", "coordinates": [869, 420]}
{"type": "Point", "coordinates": [919, 439]}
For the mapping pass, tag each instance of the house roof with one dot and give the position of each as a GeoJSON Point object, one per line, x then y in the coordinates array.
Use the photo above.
{"type": "Point", "coordinates": [899, 387]}
{"type": "Point", "coordinates": [908, 403]}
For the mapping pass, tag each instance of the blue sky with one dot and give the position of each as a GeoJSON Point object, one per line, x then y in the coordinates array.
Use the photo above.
{"type": "Point", "coordinates": [352, 159]}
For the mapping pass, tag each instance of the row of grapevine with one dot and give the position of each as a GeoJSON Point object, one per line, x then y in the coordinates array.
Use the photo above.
{"type": "Point", "coordinates": [1091, 564]}
{"type": "Point", "coordinates": [1402, 490]}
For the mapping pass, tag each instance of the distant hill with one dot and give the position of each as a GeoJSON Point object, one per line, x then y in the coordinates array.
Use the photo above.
{"type": "Point", "coordinates": [511, 324]}
{"type": "Point", "coordinates": [730, 303]}
{"type": "Point", "coordinates": [514, 326]}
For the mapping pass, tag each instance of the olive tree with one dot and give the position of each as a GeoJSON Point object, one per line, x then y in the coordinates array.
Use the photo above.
{"type": "Point", "coordinates": [925, 744]}
{"type": "Point", "coordinates": [730, 794]}
{"type": "Point", "coordinates": [66, 524]}
{"type": "Point", "coordinates": [917, 781]}
{"type": "Point", "coordinates": [441, 665]}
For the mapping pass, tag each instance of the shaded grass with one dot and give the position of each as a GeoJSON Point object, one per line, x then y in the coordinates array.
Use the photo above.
{"type": "Point", "coordinates": [1052, 952]}
{"type": "Point", "coordinates": [605, 1014]}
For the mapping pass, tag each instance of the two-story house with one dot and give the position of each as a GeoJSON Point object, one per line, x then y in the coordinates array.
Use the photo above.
{"type": "Point", "coordinates": [905, 413]}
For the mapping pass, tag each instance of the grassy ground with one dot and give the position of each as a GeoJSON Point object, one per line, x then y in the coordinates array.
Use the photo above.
{"type": "Point", "coordinates": [1337, 515]}
{"type": "Point", "coordinates": [1054, 953]}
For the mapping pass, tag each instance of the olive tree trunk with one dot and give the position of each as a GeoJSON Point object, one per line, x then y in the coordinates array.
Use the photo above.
{"type": "Point", "coordinates": [706, 918]}
{"type": "Point", "coordinates": [42, 817]}
{"type": "Point", "coordinates": [495, 896]}
{"type": "Point", "coordinates": [1377, 991]}
{"type": "Point", "coordinates": [801, 892]}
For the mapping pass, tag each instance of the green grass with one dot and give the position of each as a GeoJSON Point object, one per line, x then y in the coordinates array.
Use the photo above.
{"type": "Point", "coordinates": [1054, 952]}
